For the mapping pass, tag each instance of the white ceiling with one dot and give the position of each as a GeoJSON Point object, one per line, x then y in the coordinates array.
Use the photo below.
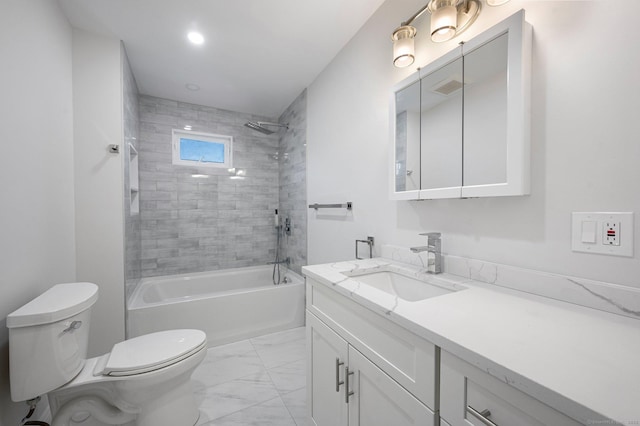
{"type": "Point", "coordinates": [257, 57]}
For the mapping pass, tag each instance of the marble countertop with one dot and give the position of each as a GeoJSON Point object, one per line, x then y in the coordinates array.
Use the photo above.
{"type": "Point", "coordinates": [581, 361]}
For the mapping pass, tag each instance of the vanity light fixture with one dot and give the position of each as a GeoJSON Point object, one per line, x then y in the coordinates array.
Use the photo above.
{"type": "Point", "coordinates": [403, 46]}
{"type": "Point", "coordinates": [444, 19]}
{"type": "Point", "coordinates": [449, 18]}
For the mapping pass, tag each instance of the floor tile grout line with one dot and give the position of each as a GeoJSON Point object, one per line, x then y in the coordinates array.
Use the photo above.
{"type": "Point", "coordinates": [210, 361]}
{"type": "Point", "coordinates": [295, 420]}
{"type": "Point", "coordinates": [238, 378]}
{"type": "Point", "coordinates": [251, 406]}
{"type": "Point", "coordinates": [263, 367]}
{"type": "Point", "coordinates": [229, 344]}
{"type": "Point", "coordinates": [289, 411]}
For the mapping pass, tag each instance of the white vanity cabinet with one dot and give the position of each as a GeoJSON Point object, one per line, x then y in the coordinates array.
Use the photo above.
{"type": "Point", "coordinates": [461, 124]}
{"type": "Point", "coordinates": [348, 389]}
{"type": "Point", "coordinates": [363, 369]}
{"type": "Point", "coordinates": [327, 355]}
{"type": "Point", "coordinates": [470, 396]}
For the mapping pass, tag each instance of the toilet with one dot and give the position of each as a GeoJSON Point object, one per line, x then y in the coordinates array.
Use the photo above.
{"type": "Point", "coordinates": [144, 380]}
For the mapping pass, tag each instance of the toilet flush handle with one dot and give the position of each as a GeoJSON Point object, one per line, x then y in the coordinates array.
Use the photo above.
{"type": "Point", "coordinates": [72, 327]}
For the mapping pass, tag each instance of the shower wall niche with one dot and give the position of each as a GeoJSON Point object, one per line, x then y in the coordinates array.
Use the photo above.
{"type": "Point", "coordinates": [196, 219]}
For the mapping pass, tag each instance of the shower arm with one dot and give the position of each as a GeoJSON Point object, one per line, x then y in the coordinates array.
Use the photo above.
{"type": "Point", "coordinates": [268, 123]}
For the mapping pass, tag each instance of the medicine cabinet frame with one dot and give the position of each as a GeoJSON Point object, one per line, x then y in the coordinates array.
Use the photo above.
{"type": "Point", "coordinates": [518, 131]}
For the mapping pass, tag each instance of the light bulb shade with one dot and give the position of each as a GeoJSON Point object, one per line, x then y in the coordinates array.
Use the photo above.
{"type": "Point", "coordinates": [403, 46]}
{"type": "Point", "coordinates": [443, 23]}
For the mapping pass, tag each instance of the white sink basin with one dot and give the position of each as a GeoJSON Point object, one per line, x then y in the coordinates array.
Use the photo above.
{"type": "Point", "coordinates": [405, 288]}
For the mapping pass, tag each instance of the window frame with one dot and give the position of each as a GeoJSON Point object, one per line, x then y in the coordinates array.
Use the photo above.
{"type": "Point", "coordinates": [227, 141]}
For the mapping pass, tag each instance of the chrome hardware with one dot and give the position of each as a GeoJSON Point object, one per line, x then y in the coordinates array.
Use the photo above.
{"type": "Point", "coordinates": [286, 261]}
{"type": "Point", "coordinates": [481, 415]}
{"type": "Point", "coordinates": [347, 392]}
{"type": "Point", "coordinates": [409, 172]}
{"type": "Point", "coordinates": [434, 245]}
{"type": "Point", "coordinates": [348, 205]}
{"type": "Point", "coordinates": [368, 241]}
{"type": "Point", "coordinates": [73, 327]}
{"type": "Point", "coordinates": [32, 403]}
{"type": "Point", "coordinates": [114, 149]}
{"type": "Point", "coordinates": [287, 226]}
{"type": "Point", "coordinates": [338, 381]}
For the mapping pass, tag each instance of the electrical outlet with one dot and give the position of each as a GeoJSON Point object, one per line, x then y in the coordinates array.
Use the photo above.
{"type": "Point", "coordinates": [608, 233]}
{"type": "Point", "coordinates": [611, 233]}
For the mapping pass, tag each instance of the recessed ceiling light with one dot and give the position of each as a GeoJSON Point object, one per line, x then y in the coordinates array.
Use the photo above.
{"type": "Point", "coordinates": [192, 86]}
{"type": "Point", "coordinates": [195, 37]}
{"type": "Point", "coordinates": [187, 127]}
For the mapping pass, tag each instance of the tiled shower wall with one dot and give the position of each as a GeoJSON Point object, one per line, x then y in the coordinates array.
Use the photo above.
{"type": "Point", "coordinates": [293, 184]}
{"type": "Point", "coordinates": [131, 129]}
{"type": "Point", "coordinates": [199, 219]}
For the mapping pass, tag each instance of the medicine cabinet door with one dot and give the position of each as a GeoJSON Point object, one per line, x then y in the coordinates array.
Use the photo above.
{"type": "Point", "coordinates": [485, 114]}
{"type": "Point", "coordinates": [406, 173]}
{"type": "Point", "coordinates": [496, 110]}
{"type": "Point", "coordinates": [441, 129]}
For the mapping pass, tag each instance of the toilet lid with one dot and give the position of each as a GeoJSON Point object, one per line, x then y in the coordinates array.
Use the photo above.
{"type": "Point", "coordinates": [153, 351]}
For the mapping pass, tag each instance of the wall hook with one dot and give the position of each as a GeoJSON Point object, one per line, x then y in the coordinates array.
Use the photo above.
{"type": "Point", "coordinates": [114, 149]}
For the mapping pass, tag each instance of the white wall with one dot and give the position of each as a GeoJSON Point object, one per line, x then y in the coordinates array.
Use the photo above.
{"type": "Point", "coordinates": [585, 152]}
{"type": "Point", "coordinates": [37, 245]}
{"type": "Point", "coordinates": [97, 108]}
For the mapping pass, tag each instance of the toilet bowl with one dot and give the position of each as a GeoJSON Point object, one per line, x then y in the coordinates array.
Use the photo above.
{"type": "Point", "coordinates": [145, 379]}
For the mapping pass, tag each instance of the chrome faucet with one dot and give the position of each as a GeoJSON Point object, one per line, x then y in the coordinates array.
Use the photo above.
{"type": "Point", "coordinates": [434, 250]}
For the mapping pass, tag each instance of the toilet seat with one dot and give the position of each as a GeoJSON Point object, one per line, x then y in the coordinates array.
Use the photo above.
{"type": "Point", "coordinates": [150, 352]}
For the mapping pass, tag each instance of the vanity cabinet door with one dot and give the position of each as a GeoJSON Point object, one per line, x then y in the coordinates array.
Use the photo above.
{"type": "Point", "coordinates": [377, 400]}
{"type": "Point", "coordinates": [327, 358]}
{"type": "Point", "coordinates": [346, 388]}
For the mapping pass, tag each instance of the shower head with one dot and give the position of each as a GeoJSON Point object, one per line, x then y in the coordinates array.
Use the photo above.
{"type": "Point", "coordinates": [260, 126]}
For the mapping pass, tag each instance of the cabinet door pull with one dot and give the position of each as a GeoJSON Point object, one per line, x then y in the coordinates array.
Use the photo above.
{"type": "Point", "coordinates": [338, 381]}
{"type": "Point", "coordinates": [347, 392]}
{"type": "Point", "coordinates": [481, 415]}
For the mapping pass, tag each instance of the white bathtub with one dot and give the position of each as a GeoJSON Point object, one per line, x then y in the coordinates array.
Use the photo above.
{"type": "Point", "coordinates": [229, 305]}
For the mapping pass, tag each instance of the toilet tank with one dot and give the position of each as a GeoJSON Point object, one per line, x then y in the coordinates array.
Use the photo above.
{"type": "Point", "coordinates": [48, 339]}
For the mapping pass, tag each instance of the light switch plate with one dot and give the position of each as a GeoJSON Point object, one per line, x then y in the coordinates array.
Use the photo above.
{"type": "Point", "coordinates": [583, 241]}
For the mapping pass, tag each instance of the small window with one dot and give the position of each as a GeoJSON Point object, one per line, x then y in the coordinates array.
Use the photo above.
{"type": "Point", "coordinates": [201, 149]}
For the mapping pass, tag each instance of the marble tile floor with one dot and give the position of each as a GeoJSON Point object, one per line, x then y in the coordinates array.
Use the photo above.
{"type": "Point", "coordinates": [258, 382]}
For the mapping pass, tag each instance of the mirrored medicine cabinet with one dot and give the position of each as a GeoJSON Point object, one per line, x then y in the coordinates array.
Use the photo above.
{"type": "Point", "coordinates": [461, 124]}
